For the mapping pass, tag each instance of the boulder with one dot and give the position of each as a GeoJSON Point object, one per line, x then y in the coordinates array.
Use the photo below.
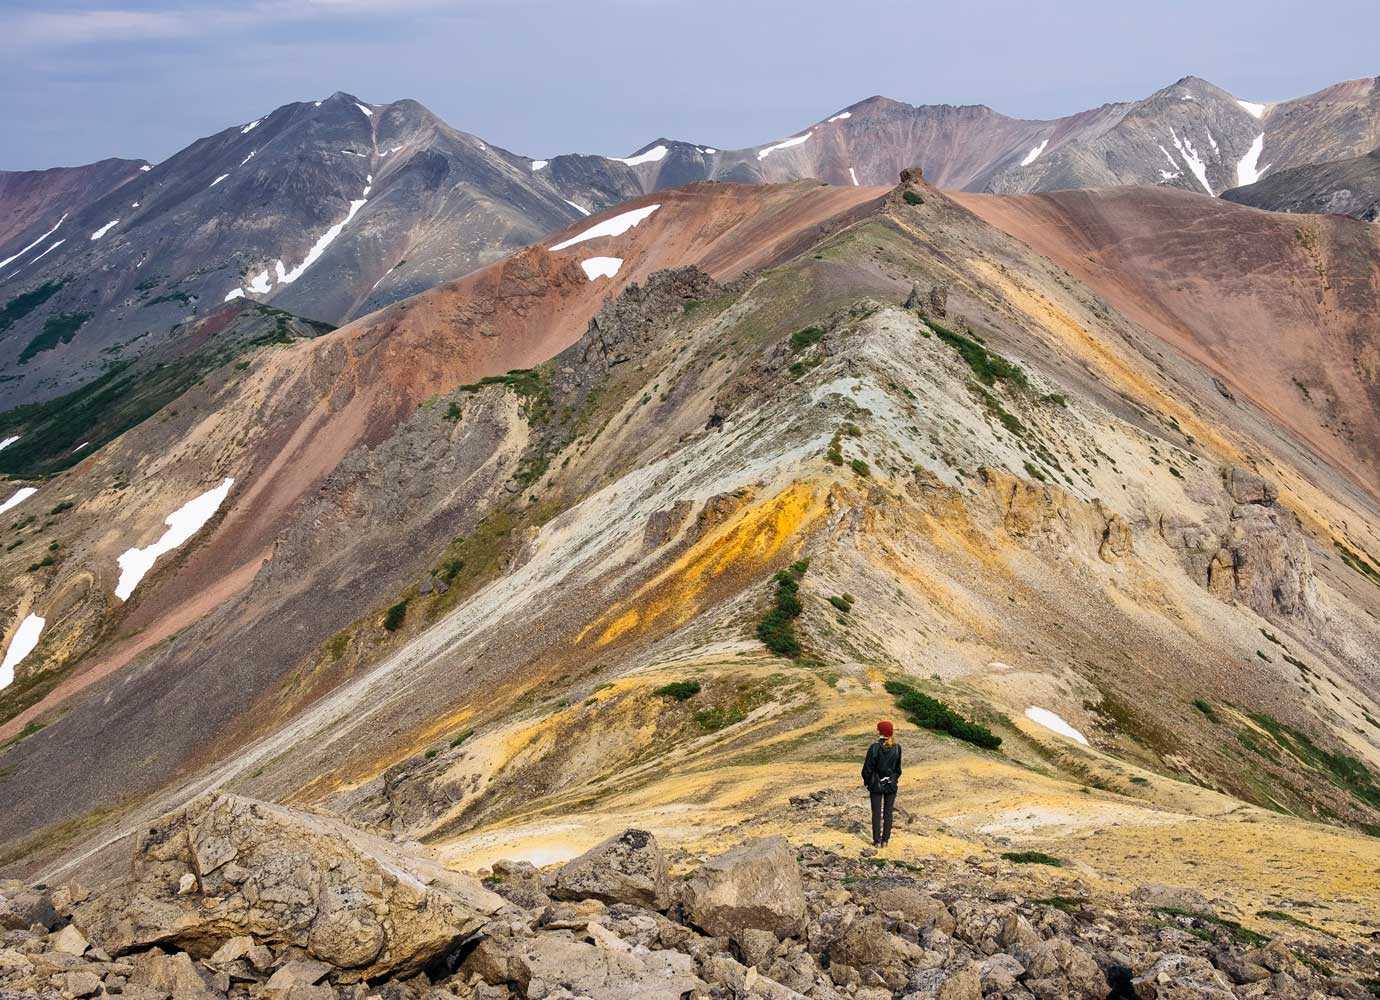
{"type": "Point", "coordinates": [1246, 487]}
{"type": "Point", "coordinates": [1181, 977]}
{"type": "Point", "coordinates": [545, 963]}
{"type": "Point", "coordinates": [1168, 897]}
{"type": "Point", "coordinates": [1059, 968]}
{"type": "Point", "coordinates": [69, 941]}
{"type": "Point", "coordinates": [170, 974]}
{"type": "Point", "coordinates": [628, 868]}
{"type": "Point", "coordinates": [22, 907]}
{"type": "Point", "coordinates": [755, 885]}
{"type": "Point", "coordinates": [915, 907]}
{"type": "Point", "coordinates": [308, 881]}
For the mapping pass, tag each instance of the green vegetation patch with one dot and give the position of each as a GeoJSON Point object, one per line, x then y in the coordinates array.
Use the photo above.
{"type": "Point", "coordinates": [1069, 904]}
{"type": "Point", "coordinates": [1359, 563]}
{"type": "Point", "coordinates": [461, 738]}
{"type": "Point", "coordinates": [1205, 708]}
{"type": "Point", "coordinates": [912, 198]}
{"type": "Point", "coordinates": [777, 627]}
{"type": "Point", "coordinates": [930, 713]}
{"type": "Point", "coordinates": [1032, 858]}
{"type": "Point", "coordinates": [57, 330]}
{"type": "Point", "coordinates": [844, 602]}
{"type": "Point", "coordinates": [394, 617]}
{"type": "Point", "coordinates": [21, 305]}
{"type": "Point", "coordinates": [807, 337]}
{"type": "Point", "coordinates": [1342, 770]}
{"type": "Point", "coordinates": [1243, 934]}
{"type": "Point", "coordinates": [989, 368]}
{"type": "Point", "coordinates": [679, 690]}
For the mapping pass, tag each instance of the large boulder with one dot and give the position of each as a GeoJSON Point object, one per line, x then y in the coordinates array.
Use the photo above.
{"type": "Point", "coordinates": [285, 877]}
{"type": "Point", "coordinates": [21, 907]}
{"type": "Point", "coordinates": [756, 885]}
{"type": "Point", "coordinates": [628, 868]}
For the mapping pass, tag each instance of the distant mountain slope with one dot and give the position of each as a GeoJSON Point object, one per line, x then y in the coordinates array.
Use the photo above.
{"type": "Point", "coordinates": [330, 209]}
{"type": "Point", "coordinates": [29, 197]}
{"type": "Point", "coordinates": [1341, 187]}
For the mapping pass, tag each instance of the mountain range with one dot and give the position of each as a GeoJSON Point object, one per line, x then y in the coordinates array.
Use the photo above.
{"type": "Point", "coordinates": [330, 209]}
{"type": "Point", "coordinates": [537, 500]}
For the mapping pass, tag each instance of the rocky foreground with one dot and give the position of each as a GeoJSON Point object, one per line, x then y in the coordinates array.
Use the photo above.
{"type": "Point", "coordinates": [234, 898]}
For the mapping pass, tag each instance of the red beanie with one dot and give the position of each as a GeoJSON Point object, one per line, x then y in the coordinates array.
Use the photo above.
{"type": "Point", "coordinates": [884, 727]}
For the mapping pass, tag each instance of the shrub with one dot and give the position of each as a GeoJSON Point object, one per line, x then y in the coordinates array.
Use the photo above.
{"type": "Point", "coordinates": [807, 337]}
{"type": "Point", "coordinates": [453, 411]}
{"type": "Point", "coordinates": [679, 690]}
{"type": "Point", "coordinates": [930, 713]}
{"type": "Point", "coordinates": [844, 603]}
{"type": "Point", "coordinates": [429, 754]}
{"type": "Point", "coordinates": [1032, 858]}
{"type": "Point", "coordinates": [461, 738]}
{"type": "Point", "coordinates": [57, 330]}
{"type": "Point", "coordinates": [394, 616]}
{"type": "Point", "coordinates": [777, 627]}
{"type": "Point", "coordinates": [988, 367]}
{"type": "Point", "coordinates": [1205, 708]}
{"type": "Point", "coordinates": [911, 198]}
{"type": "Point", "coordinates": [860, 467]}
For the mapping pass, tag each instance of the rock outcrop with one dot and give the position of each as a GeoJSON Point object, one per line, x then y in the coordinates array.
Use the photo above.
{"type": "Point", "coordinates": [628, 868]}
{"type": "Point", "coordinates": [754, 886]}
{"type": "Point", "coordinates": [284, 878]}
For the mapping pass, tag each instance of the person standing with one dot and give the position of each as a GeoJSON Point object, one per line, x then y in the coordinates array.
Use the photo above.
{"type": "Point", "coordinates": [881, 774]}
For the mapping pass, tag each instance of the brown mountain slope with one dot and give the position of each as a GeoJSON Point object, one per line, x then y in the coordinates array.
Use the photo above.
{"type": "Point", "coordinates": [1280, 308]}
{"type": "Point", "coordinates": [29, 198]}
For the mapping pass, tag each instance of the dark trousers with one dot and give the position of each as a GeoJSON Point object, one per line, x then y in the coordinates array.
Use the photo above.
{"type": "Point", "coordinates": [882, 806]}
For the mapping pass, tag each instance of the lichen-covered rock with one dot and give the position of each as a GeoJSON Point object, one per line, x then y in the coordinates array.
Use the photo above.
{"type": "Point", "coordinates": [755, 885]}
{"type": "Point", "coordinates": [627, 868]}
{"type": "Point", "coordinates": [342, 896]}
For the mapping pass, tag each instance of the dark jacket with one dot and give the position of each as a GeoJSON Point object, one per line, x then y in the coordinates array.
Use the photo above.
{"type": "Point", "coordinates": [882, 762]}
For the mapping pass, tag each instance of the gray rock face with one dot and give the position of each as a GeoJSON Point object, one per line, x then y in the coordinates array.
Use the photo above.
{"type": "Point", "coordinates": [628, 868]}
{"type": "Point", "coordinates": [755, 886]}
{"type": "Point", "coordinates": [343, 897]}
{"type": "Point", "coordinates": [1349, 186]}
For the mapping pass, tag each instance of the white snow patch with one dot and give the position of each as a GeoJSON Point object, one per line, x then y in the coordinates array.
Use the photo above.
{"type": "Point", "coordinates": [839, 117]}
{"type": "Point", "coordinates": [538, 164]}
{"type": "Point", "coordinates": [316, 104]}
{"type": "Point", "coordinates": [1213, 142]}
{"type": "Point", "coordinates": [23, 643]}
{"type": "Point", "coordinates": [79, 447]}
{"type": "Point", "coordinates": [579, 208]}
{"type": "Point", "coordinates": [351, 152]}
{"type": "Point", "coordinates": [251, 126]}
{"type": "Point", "coordinates": [288, 277]}
{"type": "Point", "coordinates": [21, 253]}
{"type": "Point", "coordinates": [708, 150]}
{"type": "Point", "coordinates": [182, 524]}
{"type": "Point", "coordinates": [134, 204]}
{"type": "Point", "coordinates": [853, 174]}
{"type": "Point", "coordinates": [105, 229]}
{"type": "Point", "coordinates": [8, 441]}
{"type": "Point", "coordinates": [601, 267]}
{"type": "Point", "coordinates": [145, 168]}
{"type": "Point", "coordinates": [219, 179]}
{"type": "Point", "coordinates": [1191, 157]}
{"type": "Point", "coordinates": [47, 252]}
{"type": "Point", "coordinates": [650, 156]}
{"type": "Point", "coordinates": [234, 293]}
{"type": "Point", "coordinates": [1252, 109]}
{"type": "Point", "coordinates": [1186, 97]}
{"type": "Point", "coordinates": [616, 226]}
{"type": "Point", "coordinates": [20, 495]}
{"type": "Point", "coordinates": [1247, 171]}
{"type": "Point", "coordinates": [1169, 175]}
{"type": "Point", "coordinates": [762, 154]}
{"type": "Point", "coordinates": [367, 112]}
{"type": "Point", "coordinates": [261, 283]}
{"type": "Point", "coordinates": [249, 157]}
{"type": "Point", "coordinates": [390, 151]}
{"type": "Point", "coordinates": [1034, 154]}
{"type": "Point", "coordinates": [1044, 717]}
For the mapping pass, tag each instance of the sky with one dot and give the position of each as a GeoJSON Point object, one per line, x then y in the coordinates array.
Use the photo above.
{"type": "Point", "coordinates": [87, 79]}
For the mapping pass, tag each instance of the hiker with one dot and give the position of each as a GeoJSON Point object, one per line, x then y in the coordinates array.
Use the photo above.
{"type": "Point", "coordinates": [881, 774]}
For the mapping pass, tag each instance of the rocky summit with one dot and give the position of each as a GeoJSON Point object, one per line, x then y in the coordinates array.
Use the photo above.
{"type": "Point", "coordinates": [437, 572]}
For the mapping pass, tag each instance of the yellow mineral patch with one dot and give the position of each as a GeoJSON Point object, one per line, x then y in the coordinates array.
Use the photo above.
{"type": "Point", "coordinates": [747, 542]}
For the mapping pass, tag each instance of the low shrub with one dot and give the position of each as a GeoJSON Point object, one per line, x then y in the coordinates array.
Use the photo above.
{"type": "Point", "coordinates": [679, 690]}
{"type": "Point", "coordinates": [930, 713]}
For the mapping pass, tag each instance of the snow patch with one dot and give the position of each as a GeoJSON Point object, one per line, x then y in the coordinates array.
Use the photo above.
{"type": "Point", "coordinates": [145, 168]}
{"type": "Point", "coordinates": [1247, 171]}
{"type": "Point", "coordinates": [601, 267]}
{"type": "Point", "coordinates": [261, 283]}
{"type": "Point", "coordinates": [1044, 717]}
{"type": "Point", "coordinates": [538, 165]}
{"type": "Point", "coordinates": [105, 229]}
{"type": "Point", "coordinates": [47, 252]}
{"type": "Point", "coordinates": [234, 293]}
{"type": "Point", "coordinates": [23, 643]}
{"type": "Point", "coordinates": [21, 253]}
{"type": "Point", "coordinates": [20, 495]}
{"type": "Point", "coordinates": [249, 157]}
{"type": "Point", "coordinates": [314, 254]}
{"type": "Point", "coordinates": [762, 154]}
{"type": "Point", "coordinates": [839, 117]}
{"type": "Point", "coordinates": [1213, 142]}
{"type": "Point", "coordinates": [650, 156]}
{"type": "Point", "coordinates": [251, 126]}
{"type": "Point", "coordinates": [219, 179]}
{"type": "Point", "coordinates": [1252, 109]}
{"type": "Point", "coordinates": [708, 150]}
{"type": "Point", "coordinates": [8, 441]}
{"type": "Point", "coordinates": [579, 208]}
{"type": "Point", "coordinates": [367, 112]}
{"type": "Point", "coordinates": [182, 524]}
{"type": "Point", "coordinates": [79, 447]}
{"type": "Point", "coordinates": [1034, 154]}
{"type": "Point", "coordinates": [1191, 157]}
{"type": "Point", "coordinates": [134, 204]}
{"type": "Point", "coordinates": [853, 174]}
{"type": "Point", "coordinates": [616, 226]}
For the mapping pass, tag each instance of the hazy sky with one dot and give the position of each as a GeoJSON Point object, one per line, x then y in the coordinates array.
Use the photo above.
{"type": "Point", "coordinates": [85, 79]}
